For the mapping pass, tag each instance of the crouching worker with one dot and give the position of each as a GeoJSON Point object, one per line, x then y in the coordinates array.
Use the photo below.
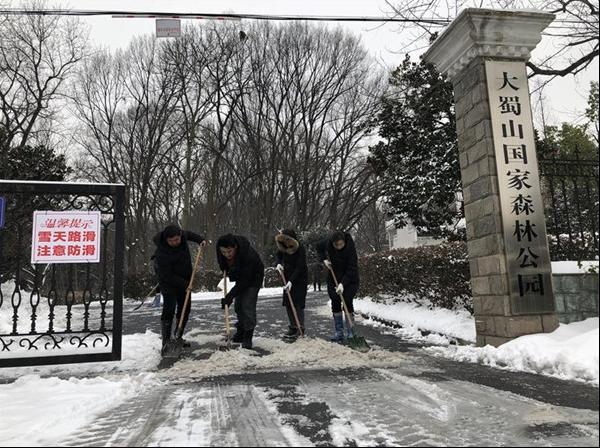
{"type": "Point", "coordinates": [173, 266]}
{"type": "Point", "coordinates": [339, 254]}
{"type": "Point", "coordinates": [243, 265]}
{"type": "Point", "coordinates": [291, 257]}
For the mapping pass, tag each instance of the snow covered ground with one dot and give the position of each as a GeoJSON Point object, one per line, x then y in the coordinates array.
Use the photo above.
{"type": "Point", "coordinates": [264, 292]}
{"type": "Point", "coordinates": [140, 352]}
{"type": "Point", "coordinates": [307, 354]}
{"type": "Point", "coordinates": [413, 317]}
{"type": "Point", "coordinates": [570, 352]}
{"type": "Point", "coordinates": [309, 393]}
{"type": "Point", "coordinates": [42, 411]}
{"type": "Point", "coordinates": [218, 295]}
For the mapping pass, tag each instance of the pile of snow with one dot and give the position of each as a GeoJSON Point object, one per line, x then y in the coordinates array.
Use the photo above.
{"type": "Point", "coordinates": [304, 354]}
{"type": "Point", "coordinates": [414, 317]}
{"type": "Point", "coordinates": [43, 411]}
{"type": "Point", "coordinates": [140, 352]}
{"type": "Point", "coordinates": [570, 352]}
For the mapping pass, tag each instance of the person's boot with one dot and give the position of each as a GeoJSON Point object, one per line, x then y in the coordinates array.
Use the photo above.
{"type": "Point", "coordinates": [238, 337]}
{"type": "Point", "coordinates": [165, 327]}
{"type": "Point", "coordinates": [179, 335]}
{"type": "Point", "coordinates": [247, 340]}
{"type": "Point", "coordinates": [292, 332]}
{"type": "Point", "coordinates": [350, 326]}
{"type": "Point", "coordinates": [338, 321]}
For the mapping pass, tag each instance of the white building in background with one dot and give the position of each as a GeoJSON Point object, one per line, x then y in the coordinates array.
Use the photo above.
{"type": "Point", "coordinates": [407, 237]}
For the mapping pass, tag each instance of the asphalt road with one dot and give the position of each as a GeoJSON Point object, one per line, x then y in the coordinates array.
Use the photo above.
{"type": "Point", "coordinates": [415, 399]}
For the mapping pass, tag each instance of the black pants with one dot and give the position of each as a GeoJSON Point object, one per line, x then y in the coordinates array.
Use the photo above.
{"type": "Point", "coordinates": [316, 281]}
{"type": "Point", "coordinates": [298, 294]}
{"type": "Point", "coordinates": [245, 308]}
{"type": "Point", "coordinates": [290, 313]}
{"type": "Point", "coordinates": [170, 302]}
{"type": "Point", "coordinates": [336, 303]}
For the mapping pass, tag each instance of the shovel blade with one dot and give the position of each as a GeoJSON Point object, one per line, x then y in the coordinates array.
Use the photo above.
{"type": "Point", "coordinates": [172, 349]}
{"type": "Point", "coordinates": [358, 343]}
{"type": "Point", "coordinates": [229, 345]}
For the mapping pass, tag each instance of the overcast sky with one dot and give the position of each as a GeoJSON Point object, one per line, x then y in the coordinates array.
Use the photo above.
{"type": "Point", "coordinates": [567, 96]}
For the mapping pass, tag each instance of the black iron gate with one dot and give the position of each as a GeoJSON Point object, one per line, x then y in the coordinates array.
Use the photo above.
{"type": "Point", "coordinates": [60, 313]}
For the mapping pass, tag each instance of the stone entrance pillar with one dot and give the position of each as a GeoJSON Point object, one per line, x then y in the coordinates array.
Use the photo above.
{"type": "Point", "coordinates": [484, 52]}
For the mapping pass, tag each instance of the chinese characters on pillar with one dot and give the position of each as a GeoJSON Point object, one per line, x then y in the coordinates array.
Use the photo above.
{"type": "Point", "coordinates": [524, 227]}
{"type": "Point", "coordinates": [65, 237]}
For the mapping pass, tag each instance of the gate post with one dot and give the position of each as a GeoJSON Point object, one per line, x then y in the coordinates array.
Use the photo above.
{"type": "Point", "coordinates": [484, 53]}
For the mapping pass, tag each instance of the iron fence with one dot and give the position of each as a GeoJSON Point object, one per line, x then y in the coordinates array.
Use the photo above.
{"type": "Point", "coordinates": [570, 192]}
{"type": "Point", "coordinates": [60, 313]}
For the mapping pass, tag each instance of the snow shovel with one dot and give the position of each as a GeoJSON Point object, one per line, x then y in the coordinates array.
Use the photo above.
{"type": "Point", "coordinates": [298, 326]}
{"type": "Point", "coordinates": [355, 342]}
{"type": "Point", "coordinates": [227, 345]}
{"type": "Point", "coordinates": [174, 348]}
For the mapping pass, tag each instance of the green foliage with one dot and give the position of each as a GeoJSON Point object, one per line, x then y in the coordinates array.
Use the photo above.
{"type": "Point", "coordinates": [309, 238]}
{"type": "Point", "coordinates": [31, 163]}
{"type": "Point", "coordinates": [418, 155]}
{"type": "Point", "coordinates": [564, 141]}
{"type": "Point", "coordinates": [593, 110]}
{"type": "Point", "coordinates": [272, 278]}
{"type": "Point", "coordinates": [434, 274]}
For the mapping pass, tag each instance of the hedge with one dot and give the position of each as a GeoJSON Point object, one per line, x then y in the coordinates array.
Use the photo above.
{"type": "Point", "coordinates": [433, 274]}
{"type": "Point", "coordinates": [438, 275]}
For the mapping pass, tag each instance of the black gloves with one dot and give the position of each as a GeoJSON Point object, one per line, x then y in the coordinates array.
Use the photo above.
{"type": "Point", "coordinates": [227, 300]}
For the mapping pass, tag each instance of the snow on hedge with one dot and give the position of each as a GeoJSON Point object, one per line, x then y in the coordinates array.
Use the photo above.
{"type": "Point", "coordinates": [454, 323]}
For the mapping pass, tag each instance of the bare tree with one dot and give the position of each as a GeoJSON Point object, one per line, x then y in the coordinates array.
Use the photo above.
{"type": "Point", "coordinates": [304, 121]}
{"type": "Point", "coordinates": [127, 104]}
{"type": "Point", "coordinates": [38, 54]}
{"type": "Point", "coordinates": [236, 133]}
{"type": "Point", "coordinates": [188, 58]}
{"type": "Point", "coordinates": [371, 234]}
{"type": "Point", "coordinates": [574, 33]}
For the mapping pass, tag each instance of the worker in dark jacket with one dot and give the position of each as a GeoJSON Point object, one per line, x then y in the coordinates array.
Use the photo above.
{"type": "Point", "coordinates": [244, 267]}
{"type": "Point", "coordinates": [173, 266]}
{"type": "Point", "coordinates": [339, 253]}
{"type": "Point", "coordinates": [291, 258]}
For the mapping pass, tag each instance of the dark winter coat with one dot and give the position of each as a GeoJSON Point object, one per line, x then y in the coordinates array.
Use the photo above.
{"type": "Point", "coordinates": [292, 256]}
{"type": "Point", "coordinates": [173, 265]}
{"type": "Point", "coordinates": [345, 261]}
{"type": "Point", "coordinates": [247, 270]}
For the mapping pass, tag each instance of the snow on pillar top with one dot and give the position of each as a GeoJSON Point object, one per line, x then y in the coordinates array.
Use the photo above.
{"type": "Point", "coordinates": [490, 33]}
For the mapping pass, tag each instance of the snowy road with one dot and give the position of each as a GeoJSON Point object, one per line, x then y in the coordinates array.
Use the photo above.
{"type": "Point", "coordinates": [318, 393]}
